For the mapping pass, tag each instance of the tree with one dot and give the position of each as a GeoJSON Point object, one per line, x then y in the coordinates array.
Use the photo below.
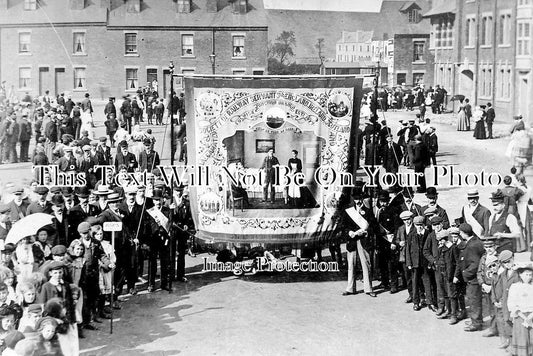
{"type": "Point", "coordinates": [320, 47]}
{"type": "Point", "coordinates": [283, 47]}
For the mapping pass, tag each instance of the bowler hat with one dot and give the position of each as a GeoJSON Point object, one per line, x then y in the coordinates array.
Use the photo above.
{"type": "Point", "coordinates": [83, 192]}
{"type": "Point", "coordinates": [431, 192]}
{"type": "Point", "coordinates": [123, 143]}
{"type": "Point", "coordinates": [497, 196]}
{"type": "Point", "coordinates": [158, 194]}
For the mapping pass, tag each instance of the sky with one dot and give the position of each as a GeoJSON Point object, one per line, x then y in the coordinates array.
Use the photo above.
{"type": "Point", "coordinates": [325, 5]}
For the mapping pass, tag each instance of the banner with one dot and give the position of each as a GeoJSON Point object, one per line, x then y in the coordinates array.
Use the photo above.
{"type": "Point", "coordinates": [277, 152]}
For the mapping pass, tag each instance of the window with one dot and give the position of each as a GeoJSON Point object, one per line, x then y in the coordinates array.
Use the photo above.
{"type": "Point", "coordinates": [507, 92]}
{"type": "Point", "coordinates": [238, 46]}
{"type": "Point", "coordinates": [30, 4]}
{"type": "Point", "coordinates": [470, 35]}
{"type": "Point", "coordinates": [79, 42]}
{"type": "Point", "coordinates": [489, 82]}
{"type": "Point", "coordinates": [524, 2]}
{"type": "Point", "coordinates": [418, 78]}
{"type": "Point", "coordinates": [414, 16]}
{"type": "Point", "coordinates": [523, 39]}
{"type": "Point", "coordinates": [187, 45]}
{"type": "Point", "coordinates": [418, 55]}
{"type": "Point", "coordinates": [132, 79]}
{"type": "Point", "coordinates": [131, 43]}
{"type": "Point", "coordinates": [483, 82]}
{"type": "Point", "coordinates": [24, 42]}
{"type": "Point", "coordinates": [80, 79]}
{"type": "Point", "coordinates": [151, 75]}
{"type": "Point", "coordinates": [504, 30]}
{"type": "Point", "coordinates": [486, 31]}
{"type": "Point", "coordinates": [239, 71]}
{"type": "Point", "coordinates": [258, 72]}
{"type": "Point", "coordinates": [24, 77]}
{"type": "Point", "coordinates": [401, 78]}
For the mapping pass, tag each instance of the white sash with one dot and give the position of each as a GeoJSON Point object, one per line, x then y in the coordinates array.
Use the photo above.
{"type": "Point", "coordinates": [469, 218]}
{"type": "Point", "coordinates": [357, 218]}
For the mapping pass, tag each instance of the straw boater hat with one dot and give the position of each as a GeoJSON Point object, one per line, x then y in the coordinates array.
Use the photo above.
{"type": "Point", "coordinates": [102, 190]}
{"type": "Point", "coordinates": [472, 193]}
{"type": "Point", "coordinates": [113, 198]}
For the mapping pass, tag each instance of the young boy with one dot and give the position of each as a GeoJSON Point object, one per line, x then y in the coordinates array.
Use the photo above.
{"type": "Point", "coordinates": [444, 275]}
{"type": "Point", "coordinates": [485, 276]}
{"type": "Point", "coordinates": [457, 286]}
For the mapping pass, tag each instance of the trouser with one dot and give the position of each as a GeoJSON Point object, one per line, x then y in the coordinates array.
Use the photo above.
{"type": "Point", "coordinates": [433, 157]}
{"type": "Point", "coordinates": [128, 123]}
{"type": "Point", "coordinates": [181, 249]}
{"type": "Point", "coordinates": [112, 138]}
{"type": "Point", "coordinates": [421, 178]}
{"type": "Point", "coordinates": [159, 119]}
{"type": "Point", "coordinates": [408, 275]}
{"type": "Point", "coordinates": [77, 131]}
{"type": "Point", "coordinates": [24, 147]}
{"type": "Point", "coordinates": [442, 290]}
{"type": "Point", "coordinates": [451, 289]}
{"type": "Point", "coordinates": [90, 299]}
{"type": "Point", "coordinates": [136, 119]}
{"type": "Point", "coordinates": [388, 267]}
{"type": "Point", "coordinates": [364, 257]}
{"type": "Point", "coordinates": [164, 257]}
{"type": "Point", "coordinates": [486, 300]}
{"type": "Point", "coordinates": [422, 276]}
{"type": "Point", "coordinates": [473, 300]}
{"type": "Point", "coordinates": [411, 151]}
{"type": "Point", "coordinates": [504, 328]}
{"type": "Point", "coordinates": [489, 129]}
{"type": "Point", "coordinates": [149, 115]}
{"type": "Point", "coordinates": [269, 181]}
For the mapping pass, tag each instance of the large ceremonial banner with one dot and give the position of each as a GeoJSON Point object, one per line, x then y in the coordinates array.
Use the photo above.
{"type": "Point", "coordinates": [232, 124]}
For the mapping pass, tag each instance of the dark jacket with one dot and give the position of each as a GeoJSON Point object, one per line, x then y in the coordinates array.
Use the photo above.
{"type": "Point", "coordinates": [421, 155]}
{"type": "Point", "coordinates": [414, 249]}
{"type": "Point", "coordinates": [470, 257]}
{"type": "Point", "coordinates": [129, 161]}
{"type": "Point", "coordinates": [431, 249]}
{"type": "Point", "coordinates": [25, 130]}
{"type": "Point", "coordinates": [348, 225]}
{"type": "Point", "coordinates": [445, 262]}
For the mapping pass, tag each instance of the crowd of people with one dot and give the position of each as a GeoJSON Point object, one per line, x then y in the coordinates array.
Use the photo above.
{"type": "Point", "coordinates": [56, 282]}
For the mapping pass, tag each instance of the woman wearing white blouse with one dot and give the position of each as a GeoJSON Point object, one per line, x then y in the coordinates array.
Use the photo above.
{"type": "Point", "coordinates": [520, 303]}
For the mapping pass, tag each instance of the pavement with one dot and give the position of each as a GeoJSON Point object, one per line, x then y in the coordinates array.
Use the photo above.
{"type": "Point", "coordinates": [295, 313]}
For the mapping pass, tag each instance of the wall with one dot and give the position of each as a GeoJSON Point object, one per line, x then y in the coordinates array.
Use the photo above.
{"type": "Point", "coordinates": [404, 55]}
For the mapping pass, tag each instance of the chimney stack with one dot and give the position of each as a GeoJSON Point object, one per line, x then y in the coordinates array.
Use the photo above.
{"type": "Point", "coordinates": [183, 6]}
{"type": "Point", "coordinates": [212, 6]}
{"type": "Point", "coordinates": [239, 6]}
{"type": "Point", "coordinates": [77, 4]}
{"type": "Point", "coordinates": [133, 6]}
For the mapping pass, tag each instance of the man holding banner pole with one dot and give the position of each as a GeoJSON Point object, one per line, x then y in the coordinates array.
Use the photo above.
{"type": "Point", "coordinates": [357, 225]}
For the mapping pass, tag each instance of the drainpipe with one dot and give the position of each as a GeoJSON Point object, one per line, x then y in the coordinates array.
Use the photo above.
{"type": "Point", "coordinates": [478, 27]}
{"type": "Point", "coordinates": [494, 50]}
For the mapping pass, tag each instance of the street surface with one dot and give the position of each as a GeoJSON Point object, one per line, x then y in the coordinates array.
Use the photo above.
{"type": "Point", "coordinates": [294, 313]}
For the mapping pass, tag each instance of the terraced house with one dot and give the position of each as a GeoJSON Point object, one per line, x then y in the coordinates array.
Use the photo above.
{"type": "Point", "coordinates": [112, 47]}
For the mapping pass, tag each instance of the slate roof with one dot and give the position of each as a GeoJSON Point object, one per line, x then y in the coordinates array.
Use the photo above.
{"type": "Point", "coordinates": [442, 8]}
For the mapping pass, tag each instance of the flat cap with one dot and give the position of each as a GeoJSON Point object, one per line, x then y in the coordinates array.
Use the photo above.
{"type": "Point", "coordinates": [431, 210]}
{"type": "Point", "coordinates": [505, 256]}
{"type": "Point", "coordinates": [58, 250]}
{"type": "Point", "coordinates": [406, 215]}
{"type": "Point", "coordinates": [41, 190]}
{"type": "Point", "coordinates": [435, 220]}
{"type": "Point", "coordinates": [466, 228]}
{"type": "Point", "coordinates": [84, 227]}
{"type": "Point", "coordinates": [443, 234]}
{"type": "Point", "coordinates": [418, 220]}
{"type": "Point", "coordinates": [86, 148]}
{"type": "Point", "coordinates": [453, 230]}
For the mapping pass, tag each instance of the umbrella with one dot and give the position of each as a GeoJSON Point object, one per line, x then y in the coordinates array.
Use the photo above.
{"type": "Point", "coordinates": [27, 226]}
{"type": "Point", "coordinates": [458, 97]}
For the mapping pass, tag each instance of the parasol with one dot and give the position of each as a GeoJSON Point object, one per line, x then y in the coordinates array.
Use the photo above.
{"type": "Point", "coordinates": [458, 97]}
{"type": "Point", "coordinates": [27, 226]}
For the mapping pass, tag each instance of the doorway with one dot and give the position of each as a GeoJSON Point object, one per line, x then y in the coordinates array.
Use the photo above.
{"type": "Point", "coordinates": [45, 82]}
{"type": "Point", "coordinates": [60, 81]}
{"type": "Point", "coordinates": [466, 84]}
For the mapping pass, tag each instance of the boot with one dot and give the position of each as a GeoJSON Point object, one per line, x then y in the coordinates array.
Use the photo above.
{"type": "Point", "coordinates": [80, 332]}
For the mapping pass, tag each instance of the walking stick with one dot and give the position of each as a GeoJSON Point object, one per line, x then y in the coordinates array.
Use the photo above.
{"type": "Point", "coordinates": [112, 284]}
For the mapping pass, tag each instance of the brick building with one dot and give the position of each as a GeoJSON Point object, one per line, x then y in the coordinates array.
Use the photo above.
{"type": "Point", "coordinates": [112, 47]}
{"type": "Point", "coordinates": [413, 61]}
{"type": "Point", "coordinates": [483, 50]}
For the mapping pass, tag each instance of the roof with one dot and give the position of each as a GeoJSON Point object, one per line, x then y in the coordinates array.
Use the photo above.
{"type": "Point", "coordinates": [55, 11]}
{"type": "Point", "coordinates": [157, 13]}
{"type": "Point", "coordinates": [445, 7]}
{"type": "Point", "coordinates": [356, 37]}
{"type": "Point", "coordinates": [308, 26]}
{"type": "Point", "coordinates": [360, 64]}
{"type": "Point", "coordinates": [324, 5]}
{"type": "Point", "coordinates": [153, 14]}
{"type": "Point", "coordinates": [408, 5]}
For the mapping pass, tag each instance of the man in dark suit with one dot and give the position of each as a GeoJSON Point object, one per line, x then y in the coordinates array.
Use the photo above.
{"type": "Point", "coordinates": [415, 261]}
{"type": "Point", "coordinates": [391, 155]}
{"type": "Point", "coordinates": [159, 242]}
{"type": "Point", "coordinates": [124, 157]}
{"type": "Point", "coordinates": [18, 206]}
{"type": "Point", "coordinates": [268, 166]}
{"type": "Point", "coordinates": [432, 142]}
{"type": "Point", "coordinates": [41, 205]}
{"type": "Point", "coordinates": [432, 197]}
{"type": "Point", "coordinates": [400, 240]}
{"type": "Point", "coordinates": [86, 104]}
{"type": "Point", "coordinates": [186, 227]}
{"type": "Point", "coordinates": [69, 105]}
{"type": "Point", "coordinates": [110, 107]}
{"type": "Point", "coordinates": [103, 153]}
{"type": "Point", "coordinates": [420, 162]}
{"type": "Point", "coordinates": [471, 253]}
{"type": "Point", "coordinates": [59, 221]}
{"type": "Point", "coordinates": [491, 116]}
{"type": "Point", "coordinates": [25, 137]}
{"type": "Point", "coordinates": [83, 210]}
{"type": "Point", "coordinates": [149, 158]}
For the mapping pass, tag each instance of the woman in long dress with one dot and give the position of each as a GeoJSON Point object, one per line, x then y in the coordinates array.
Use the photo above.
{"type": "Point", "coordinates": [479, 130]}
{"type": "Point", "coordinates": [524, 213]}
{"type": "Point", "coordinates": [87, 123]}
{"type": "Point", "coordinates": [462, 120]}
{"type": "Point", "coordinates": [520, 304]}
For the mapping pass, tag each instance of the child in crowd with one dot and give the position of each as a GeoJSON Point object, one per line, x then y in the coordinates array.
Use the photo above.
{"type": "Point", "coordinates": [106, 271]}
{"type": "Point", "coordinates": [8, 318]}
